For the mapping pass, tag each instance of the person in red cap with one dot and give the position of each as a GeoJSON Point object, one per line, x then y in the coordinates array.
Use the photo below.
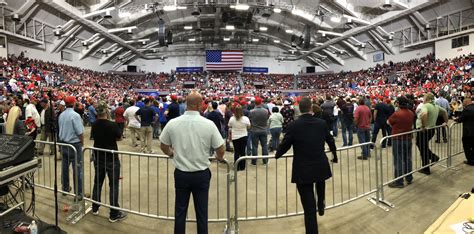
{"type": "Point", "coordinates": [71, 131]}
{"type": "Point", "coordinates": [173, 108]}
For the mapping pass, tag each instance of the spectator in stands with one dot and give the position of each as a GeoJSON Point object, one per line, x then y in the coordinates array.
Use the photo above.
{"type": "Point", "coordinates": [288, 114]}
{"type": "Point", "coordinates": [119, 118]}
{"type": "Point", "coordinates": [71, 131]}
{"type": "Point", "coordinates": [238, 126]}
{"type": "Point", "coordinates": [311, 168]}
{"type": "Point", "coordinates": [275, 123]}
{"type": "Point", "coordinates": [347, 121]}
{"type": "Point", "coordinates": [362, 119]}
{"type": "Point", "coordinates": [192, 174]}
{"type": "Point", "coordinates": [467, 118]}
{"type": "Point", "coordinates": [401, 122]}
{"type": "Point", "coordinates": [427, 114]}
{"type": "Point", "coordinates": [381, 113]}
{"type": "Point", "coordinates": [132, 122]}
{"type": "Point", "coordinates": [106, 134]}
{"type": "Point", "coordinates": [328, 108]}
{"type": "Point", "coordinates": [259, 120]}
{"type": "Point", "coordinates": [146, 116]}
{"type": "Point", "coordinates": [47, 120]}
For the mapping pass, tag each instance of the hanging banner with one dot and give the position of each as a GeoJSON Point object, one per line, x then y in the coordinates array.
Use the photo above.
{"type": "Point", "coordinates": [256, 69]}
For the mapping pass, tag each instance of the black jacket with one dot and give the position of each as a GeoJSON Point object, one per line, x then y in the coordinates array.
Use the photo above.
{"type": "Point", "coordinates": [216, 117]}
{"type": "Point", "coordinates": [467, 118]}
{"type": "Point", "coordinates": [307, 135]}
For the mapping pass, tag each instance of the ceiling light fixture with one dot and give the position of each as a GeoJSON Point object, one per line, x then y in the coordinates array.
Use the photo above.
{"type": "Point", "coordinates": [276, 41]}
{"type": "Point", "coordinates": [277, 10]}
{"type": "Point", "coordinates": [182, 7]}
{"type": "Point", "coordinates": [191, 39]}
{"type": "Point", "coordinates": [289, 31]}
{"type": "Point", "coordinates": [335, 19]}
{"type": "Point", "coordinates": [263, 28]}
{"type": "Point", "coordinates": [241, 7]}
{"type": "Point", "coordinates": [230, 27]}
{"type": "Point", "coordinates": [107, 15]}
{"type": "Point", "coordinates": [170, 8]}
{"type": "Point", "coordinates": [188, 27]}
{"type": "Point", "coordinates": [226, 38]}
{"type": "Point", "coordinates": [255, 39]}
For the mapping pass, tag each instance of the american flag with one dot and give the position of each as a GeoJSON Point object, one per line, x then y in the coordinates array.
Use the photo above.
{"type": "Point", "coordinates": [224, 60]}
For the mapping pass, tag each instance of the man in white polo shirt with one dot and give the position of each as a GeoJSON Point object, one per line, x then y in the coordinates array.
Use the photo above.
{"type": "Point", "coordinates": [187, 139]}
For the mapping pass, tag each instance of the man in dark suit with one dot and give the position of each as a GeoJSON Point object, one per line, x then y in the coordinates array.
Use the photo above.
{"type": "Point", "coordinates": [307, 135]}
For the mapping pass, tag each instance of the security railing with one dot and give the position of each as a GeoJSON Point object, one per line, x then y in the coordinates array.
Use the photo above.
{"type": "Point", "coordinates": [260, 192]}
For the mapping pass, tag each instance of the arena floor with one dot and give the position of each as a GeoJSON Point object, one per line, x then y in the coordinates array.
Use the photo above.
{"type": "Point", "coordinates": [268, 190]}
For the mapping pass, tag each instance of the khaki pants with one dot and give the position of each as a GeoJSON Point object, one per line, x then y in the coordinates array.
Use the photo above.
{"type": "Point", "coordinates": [146, 137]}
{"type": "Point", "coordinates": [46, 136]}
{"type": "Point", "coordinates": [134, 132]}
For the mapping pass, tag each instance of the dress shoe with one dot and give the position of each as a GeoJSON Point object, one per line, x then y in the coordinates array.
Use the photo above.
{"type": "Point", "coordinates": [321, 208]}
{"type": "Point", "coordinates": [395, 185]}
{"type": "Point", "coordinates": [435, 159]}
{"type": "Point", "coordinates": [469, 163]}
{"type": "Point", "coordinates": [362, 158]}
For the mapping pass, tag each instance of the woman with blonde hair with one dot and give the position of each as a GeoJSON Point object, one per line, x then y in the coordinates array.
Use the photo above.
{"type": "Point", "coordinates": [238, 126]}
{"type": "Point", "coordinates": [14, 126]}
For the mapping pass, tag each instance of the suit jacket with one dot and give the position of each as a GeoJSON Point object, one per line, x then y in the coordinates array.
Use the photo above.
{"type": "Point", "coordinates": [307, 135]}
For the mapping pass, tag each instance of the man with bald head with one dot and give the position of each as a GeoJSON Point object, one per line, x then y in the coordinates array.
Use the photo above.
{"type": "Point", "coordinates": [188, 139]}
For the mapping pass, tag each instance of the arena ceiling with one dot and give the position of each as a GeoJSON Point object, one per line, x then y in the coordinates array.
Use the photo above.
{"type": "Point", "coordinates": [320, 31]}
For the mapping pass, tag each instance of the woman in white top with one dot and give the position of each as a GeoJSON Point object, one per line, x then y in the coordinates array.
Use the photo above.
{"type": "Point", "coordinates": [238, 126]}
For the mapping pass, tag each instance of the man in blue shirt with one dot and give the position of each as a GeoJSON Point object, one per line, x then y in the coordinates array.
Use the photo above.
{"type": "Point", "coordinates": [140, 102]}
{"type": "Point", "coordinates": [442, 102]}
{"type": "Point", "coordinates": [163, 109]}
{"type": "Point", "coordinates": [92, 115]}
{"type": "Point", "coordinates": [71, 131]}
{"type": "Point", "coordinates": [146, 116]}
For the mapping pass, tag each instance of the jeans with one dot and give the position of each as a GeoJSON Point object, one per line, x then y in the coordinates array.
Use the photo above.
{"type": "Point", "coordinates": [364, 136]}
{"type": "Point", "coordinates": [275, 132]}
{"type": "Point", "coordinates": [156, 129]}
{"type": "Point", "coordinates": [239, 151]}
{"type": "Point", "coordinates": [377, 127]}
{"type": "Point", "coordinates": [187, 183]}
{"type": "Point", "coordinates": [402, 162]}
{"type": "Point", "coordinates": [121, 128]}
{"type": "Point", "coordinates": [422, 142]}
{"type": "Point", "coordinates": [347, 128]}
{"type": "Point", "coordinates": [334, 125]}
{"type": "Point", "coordinates": [249, 144]}
{"type": "Point", "coordinates": [262, 137]}
{"type": "Point", "coordinates": [110, 167]}
{"type": "Point", "coordinates": [68, 158]}
{"type": "Point", "coordinates": [308, 201]}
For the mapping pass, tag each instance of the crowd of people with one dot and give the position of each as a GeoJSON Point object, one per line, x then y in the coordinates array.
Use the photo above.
{"type": "Point", "coordinates": [34, 95]}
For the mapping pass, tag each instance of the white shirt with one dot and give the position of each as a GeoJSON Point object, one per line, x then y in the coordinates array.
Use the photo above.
{"type": "Point", "coordinates": [129, 114]}
{"type": "Point", "coordinates": [42, 116]}
{"type": "Point", "coordinates": [191, 136]}
{"type": "Point", "coordinates": [30, 110]}
{"type": "Point", "coordinates": [239, 127]}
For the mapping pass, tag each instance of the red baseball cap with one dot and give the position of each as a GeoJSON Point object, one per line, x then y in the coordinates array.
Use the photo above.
{"type": "Point", "coordinates": [174, 97]}
{"type": "Point", "coordinates": [258, 100]}
{"type": "Point", "coordinates": [70, 100]}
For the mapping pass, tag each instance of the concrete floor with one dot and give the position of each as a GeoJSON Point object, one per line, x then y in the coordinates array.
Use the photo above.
{"type": "Point", "coordinates": [417, 205]}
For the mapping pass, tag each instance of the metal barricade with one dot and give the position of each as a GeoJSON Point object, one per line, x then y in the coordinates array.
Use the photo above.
{"type": "Point", "coordinates": [455, 141]}
{"type": "Point", "coordinates": [410, 152]}
{"type": "Point", "coordinates": [44, 177]}
{"type": "Point", "coordinates": [145, 184]}
{"type": "Point", "coordinates": [267, 194]}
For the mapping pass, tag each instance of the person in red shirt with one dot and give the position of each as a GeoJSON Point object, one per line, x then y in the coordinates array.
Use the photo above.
{"type": "Point", "coordinates": [362, 119]}
{"type": "Point", "coordinates": [401, 122]}
{"type": "Point", "coordinates": [119, 118]}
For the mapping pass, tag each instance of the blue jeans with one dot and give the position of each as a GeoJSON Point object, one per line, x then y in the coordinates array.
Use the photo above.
{"type": "Point", "coordinates": [377, 127]}
{"type": "Point", "coordinates": [334, 126]}
{"type": "Point", "coordinates": [68, 158]}
{"type": "Point", "coordinates": [347, 128]}
{"type": "Point", "coordinates": [401, 150]}
{"type": "Point", "coordinates": [275, 132]}
{"type": "Point", "coordinates": [364, 136]}
{"type": "Point", "coordinates": [262, 137]}
{"type": "Point", "coordinates": [249, 143]}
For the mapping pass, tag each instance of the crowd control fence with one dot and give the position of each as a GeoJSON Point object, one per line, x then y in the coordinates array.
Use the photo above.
{"type": "Point", "coordinates": [262, 191]}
